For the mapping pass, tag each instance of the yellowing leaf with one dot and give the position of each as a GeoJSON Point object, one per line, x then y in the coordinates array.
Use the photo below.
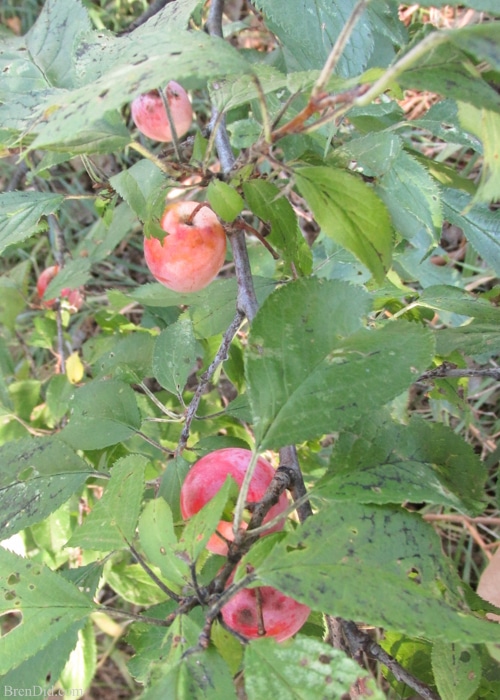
{"type": "Point", "coordinates": [74, 368]}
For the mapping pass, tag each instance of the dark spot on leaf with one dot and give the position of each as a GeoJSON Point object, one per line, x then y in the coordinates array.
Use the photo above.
{"type": "Point", "coordinates": [465, 657]}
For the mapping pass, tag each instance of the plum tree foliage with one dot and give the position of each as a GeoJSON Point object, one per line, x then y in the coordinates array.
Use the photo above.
{"type": "Point", "coordinates": [352, 315]}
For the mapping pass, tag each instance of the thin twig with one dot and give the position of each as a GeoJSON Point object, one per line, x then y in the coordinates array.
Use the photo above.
{"type": "Point", "coordinates": [163, 92]}
{"type": "Point", "coordinates": [168, 591]}
{"type": "Point", "coordinates": [449, 370]}
{"type": "Point", "coordinates": [205, 378]}
{"type": "Point", "coordinates": [289, 458]}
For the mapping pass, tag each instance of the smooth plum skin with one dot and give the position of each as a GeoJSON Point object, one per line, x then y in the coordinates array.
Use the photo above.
{"type": "Point", "coordinates": [150, 116]}
{"type": "Point", "coordinates": [74, 296]}
{"type": "Point", "coordinates": [282, 616]}
{"type": "Point", "coordinates": [208, 474]}
{"type": "Point", "coordinates": [192, 253]}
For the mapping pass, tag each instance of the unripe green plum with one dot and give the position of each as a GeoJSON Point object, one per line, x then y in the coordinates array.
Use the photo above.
{"type": "Point", "coordinates": [192, 251]}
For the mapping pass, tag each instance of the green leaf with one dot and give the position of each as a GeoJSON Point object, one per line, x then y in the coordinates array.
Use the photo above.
{"type": "Point", "coordinates": [266, 201]}
{"type": "Point", "coordinates": [133, 584]}
{"type": "Point", "coordinates": [457, 670]}
{"type": "Point", "coordinates": [37, 475]}
{"type": "Point", "coordinates": [20, 213]}
{"type": "Point", "coordinates": [51, 41]}
{"type": "Point", "coordinates": [200, 676]}
{"type": "Point", "coordinates": [380, 461]}
{"type": "Point", "coordinates": [44, 668]}
{"type": "Point", "coordinates": [457, 301]}
{"type": "Point", "coordinates": [224, 200]}
{"type": "Point", "coordinates": [481, 40]}
{"type": "Point", "coordinates": [238, 90]}
{"type": "Point", "coordinates": [321, 26]}
{"type": "Point", "coordinates": [332, 370]}
{"type": "Point", "coordinates": [158, 540]}
{"type": "Point", "coordinates": [349, 212]}
{"type": "Point", "coordinates": [413, 199]}
{"type": "Point", "coordinates": [486, 125]}
{"type": "Point", "coordinates": [174, 355]}
{"type": "Point", "coordinates": [112, 521]}
{"type": "Point", "coordinates": [352, 557]}
{"type": "Point", "coordinates": [50, 607]}
{"type": "Point", "coordinates": [303, 669]}
{"type": "Point", "coordinates": [472, 339]}
{"type": "Point", "coordinates": [447, 71]}
{"type": "Point", "coordinates": [103, 412]}
{"type": "Point", "coordinates": [139, 185]}
{"type": "Point", "coordinates": [201, 526]}
{"type": "Point", "coordinates": [130, 360]}
{"type": "Point", "coordinates": [480, 225]}
{"type": "Point", "coordinates": [171, 483]}
{"type": "Point", "coordinates": [81, 666]}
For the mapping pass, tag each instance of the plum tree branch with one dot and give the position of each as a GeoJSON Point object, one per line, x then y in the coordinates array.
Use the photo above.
{"type": "Point", "coordinates": [205, 378]}
{"type": "Point", "coordinates": [448, 369]}
{"type": "Point", "coordinates": [359, 642]}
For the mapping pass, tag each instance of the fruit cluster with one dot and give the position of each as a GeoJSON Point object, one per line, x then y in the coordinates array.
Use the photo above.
{"type": "Point", "coordinates": [256, 612]}
{"type": "Point", "coordinates": [192, 252]}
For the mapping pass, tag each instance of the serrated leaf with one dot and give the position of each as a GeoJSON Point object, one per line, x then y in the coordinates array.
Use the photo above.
{"type": "Point", "coordinates": [139, 185]}
{"type": "Point", "coordinates": [20, 213]}
{"type": "Point", "coordinates": [480, 225]}
{"type": "Point", "coordinates": [447, 71]}
{"type": "Point", "coordinates": [174, 355]}
{"type": "Point", "coordinates": [333, 371]}
{"type": "Point", "coordinates": [199, 676]}
{"type": "Point", "coordinates": [349, 212]}
{"type": "Point", "coordinates": [481, 40]}
{"type": "Point", "coordinates": [133, 584]}
{"type": "Point", "coordinates": [50, 607]}
{"type": "Point", "coordinates": [413, 199]}
{"type": "Point", "coordinates": [486, 125]}
{"type": "Point", "coordinates": [457, 670]}
{"type": "Point", "coordinates": [81, 665]}
{"type": "Point", "coordinates": [51, 41]}
{"type": "Point", "coordinates": [322, 27]}
{"type": "Point", "coordinates": [37, 475]}
{"type": "Point", "coordinates": [158, 540]}
{"type": "Point", "coordinates": [266, 202]}
{"type": "Point", "coordinates": [44, 668]}
{"type": "Point", "coordinates": [171, 483]}
{"type": "Point", "coordinates": [317, 670]}
{"type": "Point", "coordinates": [112, 521]}
{"type": "Point", "coordinates": [201, 526]}
{"type": "Point", "coordinates": [103, 412]}
{"type": "Point", "coordinates": [130, 360]}
{"type": "Point", "coordinates": [455, 300]}
{"type": "Point", "coordinates": [472, 339]}
{"type": "Point", "coordinates": [224, 200]}
{"type": "Point", "coordinates": [380, 461]}
{"type": "Point", "coordinates": [349, 558]}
